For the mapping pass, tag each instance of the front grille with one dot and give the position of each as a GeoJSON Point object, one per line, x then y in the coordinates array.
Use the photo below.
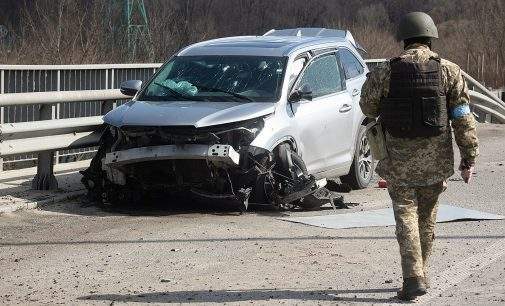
{"type": "Point", "coordinates": [153, 136]}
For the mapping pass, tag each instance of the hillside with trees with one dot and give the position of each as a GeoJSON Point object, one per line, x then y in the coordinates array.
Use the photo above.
{"type": "Point", "coordinates": [84, 31]}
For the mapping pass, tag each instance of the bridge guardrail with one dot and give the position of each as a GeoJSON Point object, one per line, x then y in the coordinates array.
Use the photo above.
{"type": "Point", "coordinates": [48, 78]}
{"type": "Point", "coordinates": [50, 134]}
{"type": "Point", "coordinates": [47, 136]}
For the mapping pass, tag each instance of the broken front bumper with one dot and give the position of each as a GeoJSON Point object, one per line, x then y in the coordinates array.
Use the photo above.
{"type": "Point", "coordinates": [220, 155]}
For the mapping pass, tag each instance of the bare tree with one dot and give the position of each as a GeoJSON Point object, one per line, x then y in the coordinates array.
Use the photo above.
{"type": "Point", "coordinates": [82, 31]}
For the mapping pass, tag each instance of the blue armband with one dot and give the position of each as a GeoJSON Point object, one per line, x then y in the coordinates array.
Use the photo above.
{"type": "Point", "coordinates": [460, 111]}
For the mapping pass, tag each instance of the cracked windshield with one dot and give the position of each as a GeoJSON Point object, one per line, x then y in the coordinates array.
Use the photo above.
{"type": "Point", "coordinates": [218, 78]}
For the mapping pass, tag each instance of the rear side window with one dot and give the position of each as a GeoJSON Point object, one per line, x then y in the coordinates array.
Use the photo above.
{"type": "Point", "coordinates": [352, 66]}
{"type": "Point", "coordinates": [323, 76]}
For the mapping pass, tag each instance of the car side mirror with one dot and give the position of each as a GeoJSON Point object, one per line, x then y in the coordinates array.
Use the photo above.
{"type": "Point", "coordinates": [131, 87]}
{"type": "Point", "coordinates": [304, 92]}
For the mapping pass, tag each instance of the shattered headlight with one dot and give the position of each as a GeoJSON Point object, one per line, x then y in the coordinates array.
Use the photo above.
{"type": "Point", "coordinates": [241, 135]}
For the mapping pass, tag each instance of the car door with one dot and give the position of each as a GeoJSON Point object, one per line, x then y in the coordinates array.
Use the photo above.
{"type": "Point", "coordinates": [354, 78]}
{"type": "Point", "coordinates": [319, 121]}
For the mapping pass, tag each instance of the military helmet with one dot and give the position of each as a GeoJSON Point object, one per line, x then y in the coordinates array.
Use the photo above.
{"type": "Point", "coordinates": [417, 24]}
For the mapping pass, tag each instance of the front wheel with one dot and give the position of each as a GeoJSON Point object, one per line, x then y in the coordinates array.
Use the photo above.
{"type": "Point", "coordinates": [362, 167]}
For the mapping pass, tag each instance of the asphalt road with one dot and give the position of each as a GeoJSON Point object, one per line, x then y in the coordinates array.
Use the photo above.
{"type": "Point", "coordinates": [72, 253]}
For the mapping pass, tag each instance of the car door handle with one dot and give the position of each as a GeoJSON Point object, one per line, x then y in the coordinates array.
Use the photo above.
{"type": "Point", "coordinates": [345, 108]}
{"type": "Point", "coordinates": [355, 92]}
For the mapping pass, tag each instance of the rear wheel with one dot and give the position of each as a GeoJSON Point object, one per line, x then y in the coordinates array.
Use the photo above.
{"type": "Point", "coordinates": [362, 167]}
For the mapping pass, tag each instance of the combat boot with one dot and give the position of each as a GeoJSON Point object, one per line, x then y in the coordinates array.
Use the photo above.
{"type": "Point", "coordinates": [426, 281]}
{"type": "Point", "coordinates": [412, 288]}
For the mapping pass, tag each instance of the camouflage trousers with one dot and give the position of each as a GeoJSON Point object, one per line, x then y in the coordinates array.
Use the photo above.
{"type": "Point", "coordinates": [415, 210]}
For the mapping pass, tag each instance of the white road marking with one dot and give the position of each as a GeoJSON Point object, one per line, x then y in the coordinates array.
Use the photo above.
{"type": "Point", "coordinates": [457, 273]}
{"type": "Point", "coordinates": [462, 270]}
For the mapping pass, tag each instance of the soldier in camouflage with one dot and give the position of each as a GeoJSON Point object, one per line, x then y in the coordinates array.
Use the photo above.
{"type": "Point", "coordinates": [418, 97]}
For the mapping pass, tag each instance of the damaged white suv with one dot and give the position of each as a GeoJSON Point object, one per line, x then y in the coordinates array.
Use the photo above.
{"type": "Point", "coordinates": [247, 119]}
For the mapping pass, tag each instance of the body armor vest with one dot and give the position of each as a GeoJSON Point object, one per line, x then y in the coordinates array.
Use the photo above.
{"type": "Point", "coordinates": [416, 103]}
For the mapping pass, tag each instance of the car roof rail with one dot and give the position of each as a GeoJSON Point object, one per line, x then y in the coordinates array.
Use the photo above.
{"type": "Point", "coordinates": [316, 32]}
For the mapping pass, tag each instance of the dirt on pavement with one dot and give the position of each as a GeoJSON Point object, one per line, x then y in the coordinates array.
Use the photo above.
{"type": "Point", "coordinates": [76, 253]}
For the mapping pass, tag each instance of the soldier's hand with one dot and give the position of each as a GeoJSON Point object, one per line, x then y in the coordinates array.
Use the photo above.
{"type": "Point", "coordinates": [466, 174]}
{"type": "Point", "coordinates": [466, 169]}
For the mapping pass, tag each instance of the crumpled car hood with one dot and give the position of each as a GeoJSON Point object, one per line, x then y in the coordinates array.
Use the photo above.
{"type": "Point", "coordinates": [185, 113]}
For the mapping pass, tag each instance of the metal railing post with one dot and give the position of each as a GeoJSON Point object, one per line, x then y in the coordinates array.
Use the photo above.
{"type": "Point", "coordinates": [107, 105]}
{"type": "Point", "coordinates": [59, 78]}
{"type": "Point", "coordinates": [45, 179]}
{"type": "Point", "coordinates": [56, 114]}
{"type": "Point", "coordinates": [2, 115]}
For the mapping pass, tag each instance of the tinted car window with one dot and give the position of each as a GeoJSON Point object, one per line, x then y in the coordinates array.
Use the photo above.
{"type": "Point", "coordinates": [323, 76]}
{"type": "Point", "coordinates": [352, 66]}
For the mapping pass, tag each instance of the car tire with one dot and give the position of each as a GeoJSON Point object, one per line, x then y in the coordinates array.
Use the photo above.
{"type": "Point", "coordinates": [283, 151]}
{"type": "Point", "coordinates": [122, 196]}
{"type": "Point", "coordinates": [264, 187]}
{"type": "Point", "coordinates": [100, 189]}
{"type": "Point", "coordinates": [362, 168]}
{"type": "Point", "coordinates": [309, 202]}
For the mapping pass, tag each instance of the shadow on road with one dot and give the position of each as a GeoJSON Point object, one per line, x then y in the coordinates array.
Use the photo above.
{"type": "Point", "coordinates": [159, 208]}
{"type": "Point", "coordinates": [169, 206]}
{"type": "Point", "coordinates": [226, 296]}
{"type": "Point", "coordinates": [20, 188]}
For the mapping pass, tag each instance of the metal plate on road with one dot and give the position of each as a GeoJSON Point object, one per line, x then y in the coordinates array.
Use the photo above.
{"type": "Point", "coordinates": [385, 217]}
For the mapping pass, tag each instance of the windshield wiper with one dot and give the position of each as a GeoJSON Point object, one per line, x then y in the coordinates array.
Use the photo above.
{"type": "Point", "coordinates": [231, 93]}
{"type": "Point", "coordinates": [175, 93]}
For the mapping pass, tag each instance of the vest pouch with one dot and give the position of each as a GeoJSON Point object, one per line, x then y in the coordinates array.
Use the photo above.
{"type": "Point", "coordinates": [434, 111]}
{"type": "Point", "coordinates": [375, 135]}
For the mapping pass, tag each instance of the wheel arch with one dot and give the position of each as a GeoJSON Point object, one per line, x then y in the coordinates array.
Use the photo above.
{"type": "Point", "coordinates": [287, 139]}
{"type": "Point", "coordinates": [351, 178]}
